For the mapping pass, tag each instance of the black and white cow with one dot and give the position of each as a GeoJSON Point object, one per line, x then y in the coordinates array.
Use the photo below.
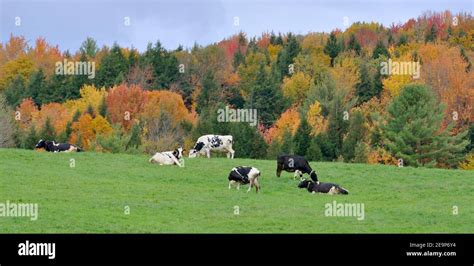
{"type": "Point", "coordinates": [318, 187]}
{"type": "Point", "coordinates": [244, 175]}
{"type": "Point", "coordinates": [206, 143]}
{"type": "Point", "coordinates": [168, 157]}
{"type": "Point", "coordinates": [52, 146]}
{"type": "Point", "coordinates": [297, 164]}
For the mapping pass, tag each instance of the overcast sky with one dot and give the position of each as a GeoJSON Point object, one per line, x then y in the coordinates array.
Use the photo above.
{"type": "Point", "coordinates": [67, 23]}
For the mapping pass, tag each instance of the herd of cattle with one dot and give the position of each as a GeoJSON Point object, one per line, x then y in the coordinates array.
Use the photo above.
{"type": "Point", "coordinates": [238, 175]}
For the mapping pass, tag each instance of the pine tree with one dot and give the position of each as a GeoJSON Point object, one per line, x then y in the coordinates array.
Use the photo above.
{"type": "Point", "coordinates": [103, 107]}
{"type": "Point", "coordinates": [113, 65]}
{"type": "Point", "coordinates": [354, 45]}
{"type": "Point", "coordinates": [287, 143]}
{"type": "Point", "coordinates": [16, 91]}
{"type": "Point", "coordinates": [412, 132]}
{"type": "Point", "coordinates": [287, 54]}
{"type": "Point", "coordinates": [31, 139]}
{"type": "Point", "coordinates": [47, 132]}
{"type": "Point", "coordinates": [332, 48]}
{"type": "Point", "coordinates": [365, 88]}
{"type": "Point", "coordinates": [36, 86]}
{"type": "Point", "coordinates": [357, 131]}
{"type": "Point", "coordinates": [209, 93]}
{"type": "Point", "coordinates": [379, 50]}
{"type": "Point", "coordinates": [314, 151]}
{"type": "Point", "coordinates": [302, 139]}
{"type": "Point", "coordinates": [431, 34]}
{"type": "Point", "coordinates": [360, 152]}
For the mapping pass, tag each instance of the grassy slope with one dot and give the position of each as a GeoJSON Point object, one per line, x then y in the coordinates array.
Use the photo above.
{"type": "Point", "coordinates": [195, 199]}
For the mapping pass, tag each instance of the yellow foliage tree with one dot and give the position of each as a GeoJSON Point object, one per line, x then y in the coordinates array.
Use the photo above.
{"type": "Point", "coordinates": [296, 87]}
{"type": "Point", "coordinates": [22, 66]}
{"type": "Point", "coordinates": [89, 96]}
{"type": "Point", "coordinates": [315, 119]}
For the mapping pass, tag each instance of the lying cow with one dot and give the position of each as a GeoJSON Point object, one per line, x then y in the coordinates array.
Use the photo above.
{"type": "Point", "coordinates": [297, 164]}
{"type": "Point", "coordinates": [206, 143]}
{"type": "Point", "coordinates": [244, 175]}
{"type": "Point", "coordinates": [318, 187]}
{"type": "Point", "coordinates": [52, 146]}
{"type": "Point", "coordinates": [168, 157]}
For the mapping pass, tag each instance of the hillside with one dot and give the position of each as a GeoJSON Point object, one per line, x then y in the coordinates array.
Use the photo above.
{"type": "Point", "coordinates": [91, 197]}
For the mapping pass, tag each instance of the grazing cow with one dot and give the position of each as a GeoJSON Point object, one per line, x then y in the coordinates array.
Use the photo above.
{"type": "Point", "coordinates": [244, 175]}
{"type": "Point", "coordinates": [297, 164]}
{"type": "Point", "coordinates": [168, 157]}
{"type": "Point", "coordinates": [52, 146]}
{"type": "Point", "coordinates": [318, 187]}
{"type": "Point", "coordinates": [206, 143]}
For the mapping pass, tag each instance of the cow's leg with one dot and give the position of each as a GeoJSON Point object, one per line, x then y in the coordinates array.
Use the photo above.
{"type": "Point", "coordinates": [230, 153]}
{"type": "Point", "coordinates": [231, 182]}
{"type": "Point", "coordinates": [176, 162]}
{"type": "Point", "coordinates": [250, 185]}
{"type": "Point", "coordinates": [208, 153]}
{"type": "Point", "coordinates": [257, 185]}
{"type": "Point", "coordinates": [279, 168]}
{"type": "Point", "coordinates": [238, 185]}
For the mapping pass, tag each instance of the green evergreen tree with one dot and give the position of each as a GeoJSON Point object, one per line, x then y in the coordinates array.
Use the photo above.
{"type": "Point", "coordinates": [16, 91]}
{"type": "Point", "coordinates": [287, 54]}
{"type": "Point", "coordinates": [357, 131]}
{"type": "Point", "coordinates": [379, 50]}
{"type": "Point", "coordinates": [287, 143]}
{"type": "Point", "coordinates": [36, 87]}
{"type": "Point", "coordinates": [47, 132]}
{"type": "Point", "coordinates": [89, 47]}
{"type": "Point", "coordinates": [431, 34]}
{"type": "Point", "coordinates": [360, 152]}
{"type": "Point", "coordinates": [314, 151]}
{"type": "Point", "coordinates": [365, 89]}
{"type": "Point", "coordinates": [113, 65]}
{"type": "Point", "coordinates": [354, 45]}
{"type": "Point", "coordinates": [302, 139]}
{"type": "Point", "coordinates": [332, 48]}
{"type": "Point", "coordinates": [412, 131]}
{"type": "Point", "coordinates": [103, 107]}
{"type": "Point", "coordinates": [31, 139]}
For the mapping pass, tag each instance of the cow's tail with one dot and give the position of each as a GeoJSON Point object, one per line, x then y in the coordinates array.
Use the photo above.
{"type": "Point", "coordinates": [343, 190]}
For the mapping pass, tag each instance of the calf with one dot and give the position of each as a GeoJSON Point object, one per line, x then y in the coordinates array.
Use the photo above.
{"type": "Point", "coordinates": [52, 146]}
{"type": "Point", "coordinates": [297, 164]}
{"type": "Point", "coordinates": [318, 187]}
{"type": "Point", "coordinates": [206, 143]}
{"type": "Point", "coordinates": [168, 157]}
{"type": "Point", "coordinates": [244, 175]}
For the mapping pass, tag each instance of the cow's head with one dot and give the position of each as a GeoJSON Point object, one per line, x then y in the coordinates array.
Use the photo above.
{"type": "Point", "coordinates": [314, 176]}
{"type": "Point", "coordinates": [178, 153]}
{"type": "Point", "coordinates": [41, 144]}
{"type": "Point", "coordinates": [197, 148]}
{"type": "Point", "coordinates": [304, 183]}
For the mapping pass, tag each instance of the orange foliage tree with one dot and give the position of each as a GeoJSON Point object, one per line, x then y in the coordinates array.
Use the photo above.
{"type": "Point", "coordinates": [125, 104]}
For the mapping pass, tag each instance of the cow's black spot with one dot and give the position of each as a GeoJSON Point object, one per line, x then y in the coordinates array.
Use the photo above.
{"type": "Point", "coordinates": [199, 146]}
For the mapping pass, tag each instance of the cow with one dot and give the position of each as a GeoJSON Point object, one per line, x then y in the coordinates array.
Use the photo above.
{"type": "Point", "coordinates": [297, 164]}
{"type": "Point", "coordinates": [52, 146]}
{"type": "Point", "coordinates": [244, 175]}
{"type": "Point", "coordinates": [318, 187]}
{"type": "Point", "coordinates": [206, 143]}
{"type": "Point", "coordinates": [168, 157]}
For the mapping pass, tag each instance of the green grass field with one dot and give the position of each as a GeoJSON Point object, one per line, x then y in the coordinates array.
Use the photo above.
{"type": "Point", "coordinates": [92, 197]}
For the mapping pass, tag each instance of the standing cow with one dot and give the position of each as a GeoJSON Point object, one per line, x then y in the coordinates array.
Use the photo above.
{"type": "Point", "coordinates": [52, 146]}
{"type": "Point", "coordinates": [206, 143]}
{"type": "Point", "coordinates": [168, 157]}
{"type": "Point", "coordinates": [244, 175]}
{"type": "Point", "coordinates": [297, 164]}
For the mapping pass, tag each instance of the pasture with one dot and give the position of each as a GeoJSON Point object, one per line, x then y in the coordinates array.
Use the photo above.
{"type": "Point", "coordinates": [93, 196]}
